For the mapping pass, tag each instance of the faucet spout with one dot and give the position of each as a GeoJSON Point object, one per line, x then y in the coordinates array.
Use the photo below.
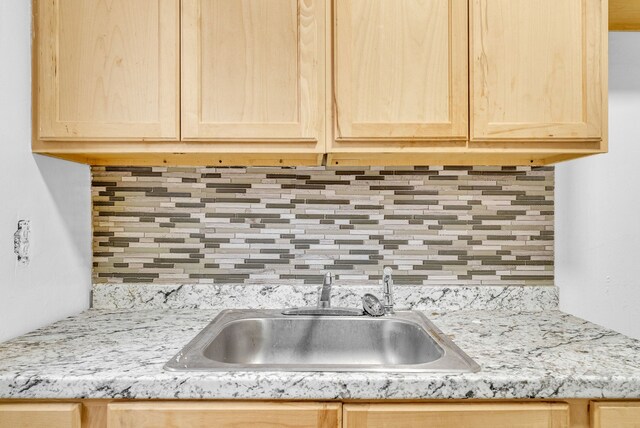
{"type": "Point", "coordinates": [324, 304]}
{"type": "Point", "coordinates": [325, 292]}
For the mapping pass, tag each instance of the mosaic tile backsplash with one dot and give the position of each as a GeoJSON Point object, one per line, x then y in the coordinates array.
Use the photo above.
{"type": "Point", "coordinates": [433, 225]}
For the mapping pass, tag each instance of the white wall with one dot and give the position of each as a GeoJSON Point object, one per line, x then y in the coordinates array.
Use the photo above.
{"type": "Point", "coordinates": [598, 209]}
{"type": "Point", "coordinates": [52, 194]}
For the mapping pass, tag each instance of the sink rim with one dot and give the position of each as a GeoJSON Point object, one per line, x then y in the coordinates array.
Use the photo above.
{"type": "Point", "coordinates": [191, 357]}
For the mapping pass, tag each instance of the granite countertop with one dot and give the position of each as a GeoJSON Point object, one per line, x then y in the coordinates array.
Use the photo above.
{"type": "Point", "coordinates": [119, 353]}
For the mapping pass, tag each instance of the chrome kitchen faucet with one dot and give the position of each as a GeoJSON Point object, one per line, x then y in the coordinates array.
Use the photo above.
{"type": "Point", "coordinates": [371, 304]}
{"type": "Point", "coordinates": [387, 290]}
{"type": "Point", "coordinates": [324, 303]}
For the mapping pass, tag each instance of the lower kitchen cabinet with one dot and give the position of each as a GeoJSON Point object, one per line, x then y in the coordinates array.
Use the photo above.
{"type": "Point", "coordinates": [462, 415]}
{"type": "Point", "coordinates": [578, 413]}
{"type": "Point", "coordinates": [615, 415]}
{"type": "Point", "coordinates": [40, 415]}
{"type": "Point", "coordinates": [223, 415]}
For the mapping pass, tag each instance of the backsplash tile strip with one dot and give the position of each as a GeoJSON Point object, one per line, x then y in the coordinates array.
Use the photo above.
{"type": "Point", "coordinates": [433, 225]}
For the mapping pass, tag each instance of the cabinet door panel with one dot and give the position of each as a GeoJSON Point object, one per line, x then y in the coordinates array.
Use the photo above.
{"type": "Point", "coordinates": [223, 415]}
{"type": "Point", "coordinates": [400, 69]}
{"type": "Point", "coordinates": [520, 415]}
{"type": "Point", "coordinates": [107, 70]}
{"type": "Point", "coordinates": [40, 415]}
{"type": "Point", "coordinates": [253, 70]}
{"type": "Point", "coordinates": [615, 415]}
{"type": "Point", "coordinates": [537, 69]}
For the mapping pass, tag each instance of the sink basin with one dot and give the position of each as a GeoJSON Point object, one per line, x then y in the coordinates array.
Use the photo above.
{"type": "Point", "coordinates": [267, 340]}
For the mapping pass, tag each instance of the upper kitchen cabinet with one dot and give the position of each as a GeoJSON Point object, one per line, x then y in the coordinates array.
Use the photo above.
{"type": "Point", "coordinates": [478, 82]}
{"type": "Point", "coordinates": [195, 82]}
{"type": "Point", "coordinates": [254, 71]}
{"type": "Point", "coordinates": [538, 70]}
{"type": "Point", "coordinates": [286, 82]}
{"type": "Point", "coordinates": [106, 70]}
{"type": "Point", "coordinates": [400, 74]}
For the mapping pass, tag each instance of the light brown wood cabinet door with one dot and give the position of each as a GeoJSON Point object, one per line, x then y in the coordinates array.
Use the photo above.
{"type": "Point", "coordinates": [538, 69]}
{"type": "Point", "coordinates": [516, 415]}
{"type": "Point", "coordinates": [223, 415]}
{"type": "Point", "coordinates": [400, 69]}
{"type": "Point", "coordinates": [615, 415]}
{"type": "Point", "coordinates": [43, 415]}
{"type": "Point", "coordinates": [254, 70]}
{"type": "Point", "coordinates": [107, 70]}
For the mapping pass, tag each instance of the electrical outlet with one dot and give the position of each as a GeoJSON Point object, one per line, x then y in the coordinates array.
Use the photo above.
{"type": "Point", "coordinates": [21, 241]}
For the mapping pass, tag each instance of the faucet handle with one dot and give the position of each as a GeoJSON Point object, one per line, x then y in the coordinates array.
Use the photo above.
{"type": "Point", "coordinates": [387, 271]}
{"type": "Point", "coordinates": [328, 279]}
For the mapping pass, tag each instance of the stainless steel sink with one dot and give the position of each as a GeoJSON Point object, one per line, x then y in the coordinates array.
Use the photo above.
{"type": "Point", "coordinates": [267, 340]}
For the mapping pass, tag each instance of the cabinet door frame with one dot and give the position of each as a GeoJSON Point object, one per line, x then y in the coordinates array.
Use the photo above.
{"type": "Point", "coordinates": [46, 90]}
{"type": "Point", "coordinates": [612, 414]}
{"type": "Point", "coordinates": [310, 125]}
{"type": "Point", "coordinates": [51, 415]}
{"type": "Point", "coordinates": [225, 413]}
{"type": "Point", "coordinates": [345, 127]}
{"type": "Point", "coordinates": [592, 127]}
{"type": "Point", "coordinates": [556, 414]}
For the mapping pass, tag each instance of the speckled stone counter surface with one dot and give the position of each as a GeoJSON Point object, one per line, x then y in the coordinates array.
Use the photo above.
{"type": "Point", "coordinates": [120, 354]}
